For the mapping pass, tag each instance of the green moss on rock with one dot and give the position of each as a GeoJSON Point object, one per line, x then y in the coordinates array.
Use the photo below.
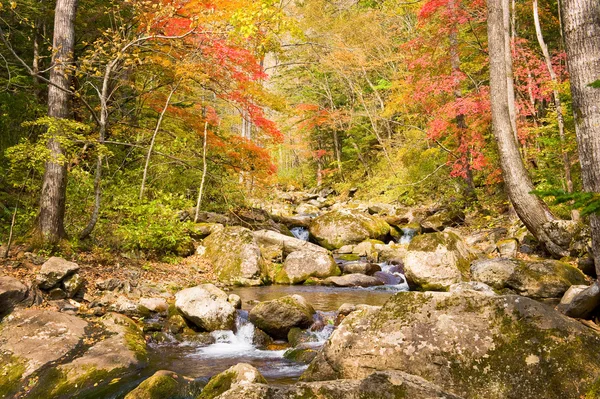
{"type": "Point", "coordinates": [162, 385]}
{"type": "Point", "coordinates": [11, 371]}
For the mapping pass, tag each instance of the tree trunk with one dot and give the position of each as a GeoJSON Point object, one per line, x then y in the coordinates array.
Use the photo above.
{"type": "Point", "coordinates": [557, 102]}
{"type": "Point", "coordinates": [531, 210]}
{"type": "Point", "coordinates": [581, 30]}
{"type": "Point", "coordinates": [510, 86]}
{"type": "Point", "coordinates": [158, 123]}
{"type": "Point", "coordinates": [201, 190]}
{"type": "Point", "coordinates": [54, 186]}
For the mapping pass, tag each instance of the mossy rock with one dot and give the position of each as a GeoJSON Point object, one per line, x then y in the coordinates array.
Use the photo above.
{"type": "Point", "coordinates": [435, 261]}
{"type": "Point", "coordinates": [300, 355]}
{"type": "Point", "coordinates": [298, 336]}
{"type": "Point", "coordinates": [507, 347]}
{"type": "Point", "coordinates": [279, 316]}
{"type": "Point", "coordinates": [241, 373]}
{"type": "Point", "coordinates": [11, 371]}
{"type": "Point", "coordinates": [235, 256]}
{"type": "Point", "coordinates": [299, 266]}
{"type": "Point", "coordinates": [345, 227]}
{"type": "Point", "coordinates": [545, 278]}
{"type": "Point", "coordinates": [348, 257]}
{"type": "Point", "coordinates": [162, 385]}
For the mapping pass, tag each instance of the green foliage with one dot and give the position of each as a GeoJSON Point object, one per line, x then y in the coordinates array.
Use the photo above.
{"type": "Point", "coordinates": [595, 84]}
{"type": "Point", "coordinates": [152, 226]}
{"type": "Point", "coordinates": [587, 203]}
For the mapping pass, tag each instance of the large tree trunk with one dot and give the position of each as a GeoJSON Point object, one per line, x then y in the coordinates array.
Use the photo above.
{"type": "Point", "coordinates": [531, 210]}
{"type": "Point", "coordinates": [52, 201]}
{"type": "Point", "coordinates": [581, 30]}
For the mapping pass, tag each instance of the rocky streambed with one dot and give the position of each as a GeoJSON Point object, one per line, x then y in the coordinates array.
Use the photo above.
{"type": "Point", "coordinates": [357, 302]}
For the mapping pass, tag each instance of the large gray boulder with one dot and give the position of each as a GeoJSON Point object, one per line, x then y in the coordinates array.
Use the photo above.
{"type": "Point", "coordinates": [299, 266]}
{"type": "Point", "coordinates": [53, 271]}
{"type": "Point", "coordinates": [207, 307]}
{"type": "Point", "coordinates": [546, 278]}
{"type": "Point", "coordinates": [380, 385]}
{"type": "Point", "coordinates": [474, 345]}
{"type": "Point", "coordinates": [12, 292]}
{"type": "Point", "coordinates": [279, 316]}
{"type": "Point", "coordinates": [493, 272]}
{"type": "Point", "coordinates": [31, 339]}
{"type": "Point", "coordinates": [344, 227]}
{"type": "Point", "coordinates": [435, 261]}
{"type": "Point", "coordinates": [285, 243]}
{"type": "Point", "coordinates": [235, 256]}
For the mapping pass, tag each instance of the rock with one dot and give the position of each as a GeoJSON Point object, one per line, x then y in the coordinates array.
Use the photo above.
{"type": "Point", "coordinates": [568, 297]}
{"type": "Point", "coordinates": [12, 292]}
{"type": "Point", "coordinates": [286, 243]}
{"type": "Point", "coordinates": [361, 267]}
{"type": "Point", "coordinates": [485, 240]}
{"type": "Point", "coordinates": [493, 272]}
{"type": "Point", "coordinates": [346, 249]}
{"type": "Point", "coordinates": [56, 294]}
{"type": "Point", "coordinates": [584, 304]}
{"type": "Point", "coordinates": [307, 209]}
{"type": "Point", "coordinates": [110, 284]}
{"type": "Point", "coordinates": [508, 248]}
{"type": "Point", "coordinates": [346, 309]}
{"type": "Point", "coordinates": [213, 218]}
{"type": "Point", "coordinates": [161, 385]}
{"type": "Point", "coordinates": [279, 316]}
{"type": "Point", "coordinates": [353, 280]}
{"type": "Point", "coordinates": [303, 354]}
{"type": "Point", "coordinates": [239, 375]}
{"type": "Point", "coordinates": [235, 256]}
{"type": "Point", "coordinates": [125, 306]}
{"type": "Point", "coordinates": [367, 248]}
{"type": "Point", "coordinates": [544, 279]}
{"type": "Point", "coordinates": [261, 339]}
{"type": "Point", "coordinates": [587, 266]}
{"type": "Point", "coordinates": [380, 385]}
{"type": "Point", "coordinates": [389, 278]}
{"type": "Point", "coordinates": [73, 284]}
{"type": "Point", "coordinates": [435, 261]}
{"type": "Point", "coordinates": [391, 253]}
{"type": "Point", "coordinates": [53, 271]}
{"type": "Point", "coordinates": [176, 324]}
{"type": "Point", "coordinates": [120, 354]}
{"type": "Point", "coordinates": [472, 286]}
{"type": "Point", "coordinates": [235, 301]}
{"type": "Point", "coordinates": [301, 265]}
{"type": "Point", "coordinates": [477, 346]}
{"type": "Point", "coordinates": [207, 307]}
{"type": "Point", "coordinates": [155, 305]}
{"type": "Point", "coordinates": [442, 219]}
{"type": "Point", "coordinates": [30, 339]}
{"type": "Point", "coordinates": [298, 336]}
{"type": "Point", "coordinates": [200, 231]}
{"type": "Point", "coordinates": [344, 227]}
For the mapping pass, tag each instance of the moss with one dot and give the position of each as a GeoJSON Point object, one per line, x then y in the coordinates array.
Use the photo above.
{"type": "Point", "coordinates": [524, 356]}
{"type": "Point", "coordinates": [594, 390]}
{"type": "Point", "coordinates": [430, 242]}
{"type": "Point", "coordinates": [159, 386]}
{"type": "Point", "coordinates": [217, 385]}
{"type": "Point", "coordinates": [55, 383]}
{"type": "Point", "coordinates": [348, 257]}
{"type": "Point", "coordinates": [11, 371]}
{"type": "Point", "coordinates": [300, 355]}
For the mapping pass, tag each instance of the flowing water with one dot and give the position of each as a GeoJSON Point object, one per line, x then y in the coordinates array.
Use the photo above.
{"type": "Point", "coordinates": [200, 361]}
{"type": "Point", "coordinates": [300, 233]}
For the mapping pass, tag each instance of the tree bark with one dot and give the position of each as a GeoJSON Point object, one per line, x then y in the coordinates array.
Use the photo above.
{"type": "Point", "coordinates": [531, 210]}
{"type": "Point", "coordinates": [54, 186]}
{"type": "Point", "coordinates": [201, 190]}
{"type": "Point", "coordinates": [581, 31]}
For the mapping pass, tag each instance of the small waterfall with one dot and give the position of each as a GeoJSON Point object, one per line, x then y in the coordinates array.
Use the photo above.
{"type": "Point", "coordinates": [394, 278]}
{"type": "Point", "coordinates": [407, 235]}
{"type": "Point", "coordinates": [300, 233]}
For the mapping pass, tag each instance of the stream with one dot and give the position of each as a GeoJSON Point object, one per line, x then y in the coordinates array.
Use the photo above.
{"type": "Point", "coordinates": [200, 361]}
